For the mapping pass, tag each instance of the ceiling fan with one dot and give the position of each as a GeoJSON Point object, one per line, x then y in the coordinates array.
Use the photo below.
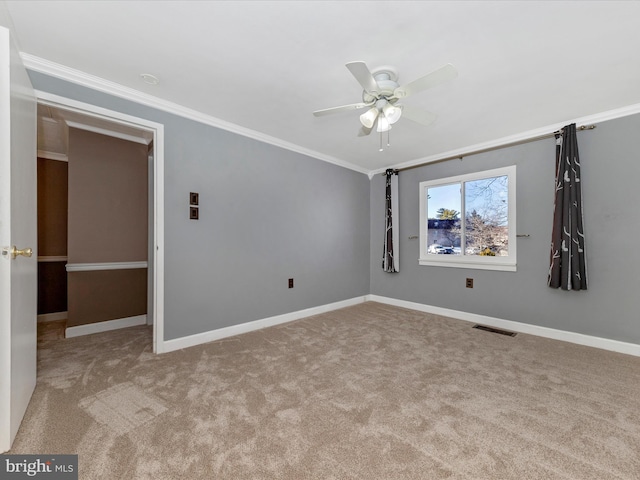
{"type": "Point", "coordinates": [382, 93]}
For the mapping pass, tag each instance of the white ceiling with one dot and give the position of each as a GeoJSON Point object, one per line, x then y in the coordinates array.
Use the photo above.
{"type": "Point", "coordinates": [267, 65]}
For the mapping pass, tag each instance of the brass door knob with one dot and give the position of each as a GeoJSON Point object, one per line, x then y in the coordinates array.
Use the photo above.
{"type": "Point", "coordinates": [14, 252]}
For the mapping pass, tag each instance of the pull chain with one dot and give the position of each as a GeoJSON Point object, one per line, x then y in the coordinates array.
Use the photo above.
{"type": "Point", "coordinates": [388, 140]}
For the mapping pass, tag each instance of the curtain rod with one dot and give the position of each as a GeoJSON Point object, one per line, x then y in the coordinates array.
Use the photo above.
{"type": "Point", "coordinates": [489, 149]}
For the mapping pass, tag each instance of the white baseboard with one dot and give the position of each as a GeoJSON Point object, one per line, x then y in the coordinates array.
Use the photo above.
{"type": "Point", "coordinates": [52, 317]}
{"type": "Point", "coordinates": [572, 337]}
{"type": "Point", "coordinates": [205, 337]}
{"type": "Point", "coordinates": [105, 326]}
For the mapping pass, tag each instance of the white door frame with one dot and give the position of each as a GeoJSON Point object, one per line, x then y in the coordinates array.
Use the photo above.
{"type": "Point", "coordinates": [157, 255]}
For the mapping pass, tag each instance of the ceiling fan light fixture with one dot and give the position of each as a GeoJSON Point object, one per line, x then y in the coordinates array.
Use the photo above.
{"type": "Point", "coordinates": [369, 117]}
{"type": "Point", "coordinates": [392, 113]}
{"type": "Point", "coordinates": [383, 124]}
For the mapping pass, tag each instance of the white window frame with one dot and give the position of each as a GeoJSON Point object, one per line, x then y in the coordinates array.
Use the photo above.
{"type": "Point", "coordinates": [507, 263]}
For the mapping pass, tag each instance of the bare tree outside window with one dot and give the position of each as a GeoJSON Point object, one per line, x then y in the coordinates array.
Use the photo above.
{"type": "Point", "coordinates": [486, 220]}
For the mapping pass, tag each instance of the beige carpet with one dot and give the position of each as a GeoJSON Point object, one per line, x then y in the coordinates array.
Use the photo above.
{"type": "Point", "coordinates": [367, 392]}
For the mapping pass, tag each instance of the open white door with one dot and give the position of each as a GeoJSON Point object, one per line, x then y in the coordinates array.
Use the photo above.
{"type": "Point", "coordinates": [18, 210]}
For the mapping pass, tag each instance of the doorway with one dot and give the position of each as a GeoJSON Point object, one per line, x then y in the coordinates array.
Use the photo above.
{"type": "Point", "coordinates": [63, 114]}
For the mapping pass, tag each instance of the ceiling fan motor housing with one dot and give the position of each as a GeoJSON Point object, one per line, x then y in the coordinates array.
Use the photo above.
{"type": "Point", "coordinates": [387, 80]}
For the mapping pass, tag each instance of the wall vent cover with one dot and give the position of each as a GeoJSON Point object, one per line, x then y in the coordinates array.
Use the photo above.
{"type": "Point", "coordinates": [495, 330]}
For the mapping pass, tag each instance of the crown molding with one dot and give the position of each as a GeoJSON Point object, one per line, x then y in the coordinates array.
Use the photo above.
{"type": "Point", "coordinates": [93, 82]}
{"type": "Point", "coordinates": [515, 139]}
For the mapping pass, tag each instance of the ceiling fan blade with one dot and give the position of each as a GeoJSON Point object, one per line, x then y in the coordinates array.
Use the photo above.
{"type": "Point", "coordinates": [363, 76]}
{"type": "Point", "coordinates": [342, 108]}
{"type": "Point", "coordinates": [423, 117]}
{"type": "Point", "coordinates": [442, 74]}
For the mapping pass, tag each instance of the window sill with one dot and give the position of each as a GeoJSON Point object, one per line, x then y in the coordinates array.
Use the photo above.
{"type": "Point", "coordinates": [464, 263]}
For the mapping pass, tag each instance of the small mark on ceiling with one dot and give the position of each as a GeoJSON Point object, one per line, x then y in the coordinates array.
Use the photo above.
{"type": "Point", "coordinates": [150, 79]}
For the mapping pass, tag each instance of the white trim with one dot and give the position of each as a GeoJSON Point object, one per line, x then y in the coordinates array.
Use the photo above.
{"type": "Point", "coordinates": [546, 332]}
{"type": "Point", "coordinates": [158, 233]}
{"type": "Point", "coordinates": [463, 262]}
{"type": "Point", "coordinates": [105, 326]}
{"type": "Point", "coordinates": [63, 103]}
{"type": "Point", "coordinates": [51, 258]}
{"type": "Point", "coordinates": [61, 157]}
{"type": "Point", "coordinates": [90, 267]}
{"type": "Point", "coordinates": [47, 67]}
{"type": "Point", "coordinates": [211, 335]}
{"type": "Point", "coordinates": [157, 129]}
{"type": "Point", "coordinates": [107, 132]}
{"type": "Point", "coordinates": [52, 317]}
{"type": "Point", "coordinates": [518, 138]}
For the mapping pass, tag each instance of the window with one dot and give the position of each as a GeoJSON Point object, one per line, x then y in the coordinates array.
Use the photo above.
{"type": "Point", "coordinates": [469, 221]}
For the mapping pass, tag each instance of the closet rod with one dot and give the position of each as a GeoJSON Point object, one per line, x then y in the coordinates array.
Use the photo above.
{"type": "Point", "coordinates": [489, 149]}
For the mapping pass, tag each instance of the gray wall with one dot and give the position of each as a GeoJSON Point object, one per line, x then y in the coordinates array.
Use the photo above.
{"type": "Point", "coordinates": [266, 215]}
{"type": "Point", "coordinates": [610, 174]}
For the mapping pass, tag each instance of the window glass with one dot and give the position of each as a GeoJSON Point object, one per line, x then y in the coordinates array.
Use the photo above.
{"type": "Point", "coordinates": [468, 220]}
{"type": "Point", "coordinates": [486, 216]}
{"type": "Point", "coordinates": [444, 204]}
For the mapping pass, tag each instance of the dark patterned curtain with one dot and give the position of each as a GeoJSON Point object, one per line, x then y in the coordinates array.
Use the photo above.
{"type": "Point", "coordinates": [568, 269]}
{"type": "Point", "coordinates": [391, 257]}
